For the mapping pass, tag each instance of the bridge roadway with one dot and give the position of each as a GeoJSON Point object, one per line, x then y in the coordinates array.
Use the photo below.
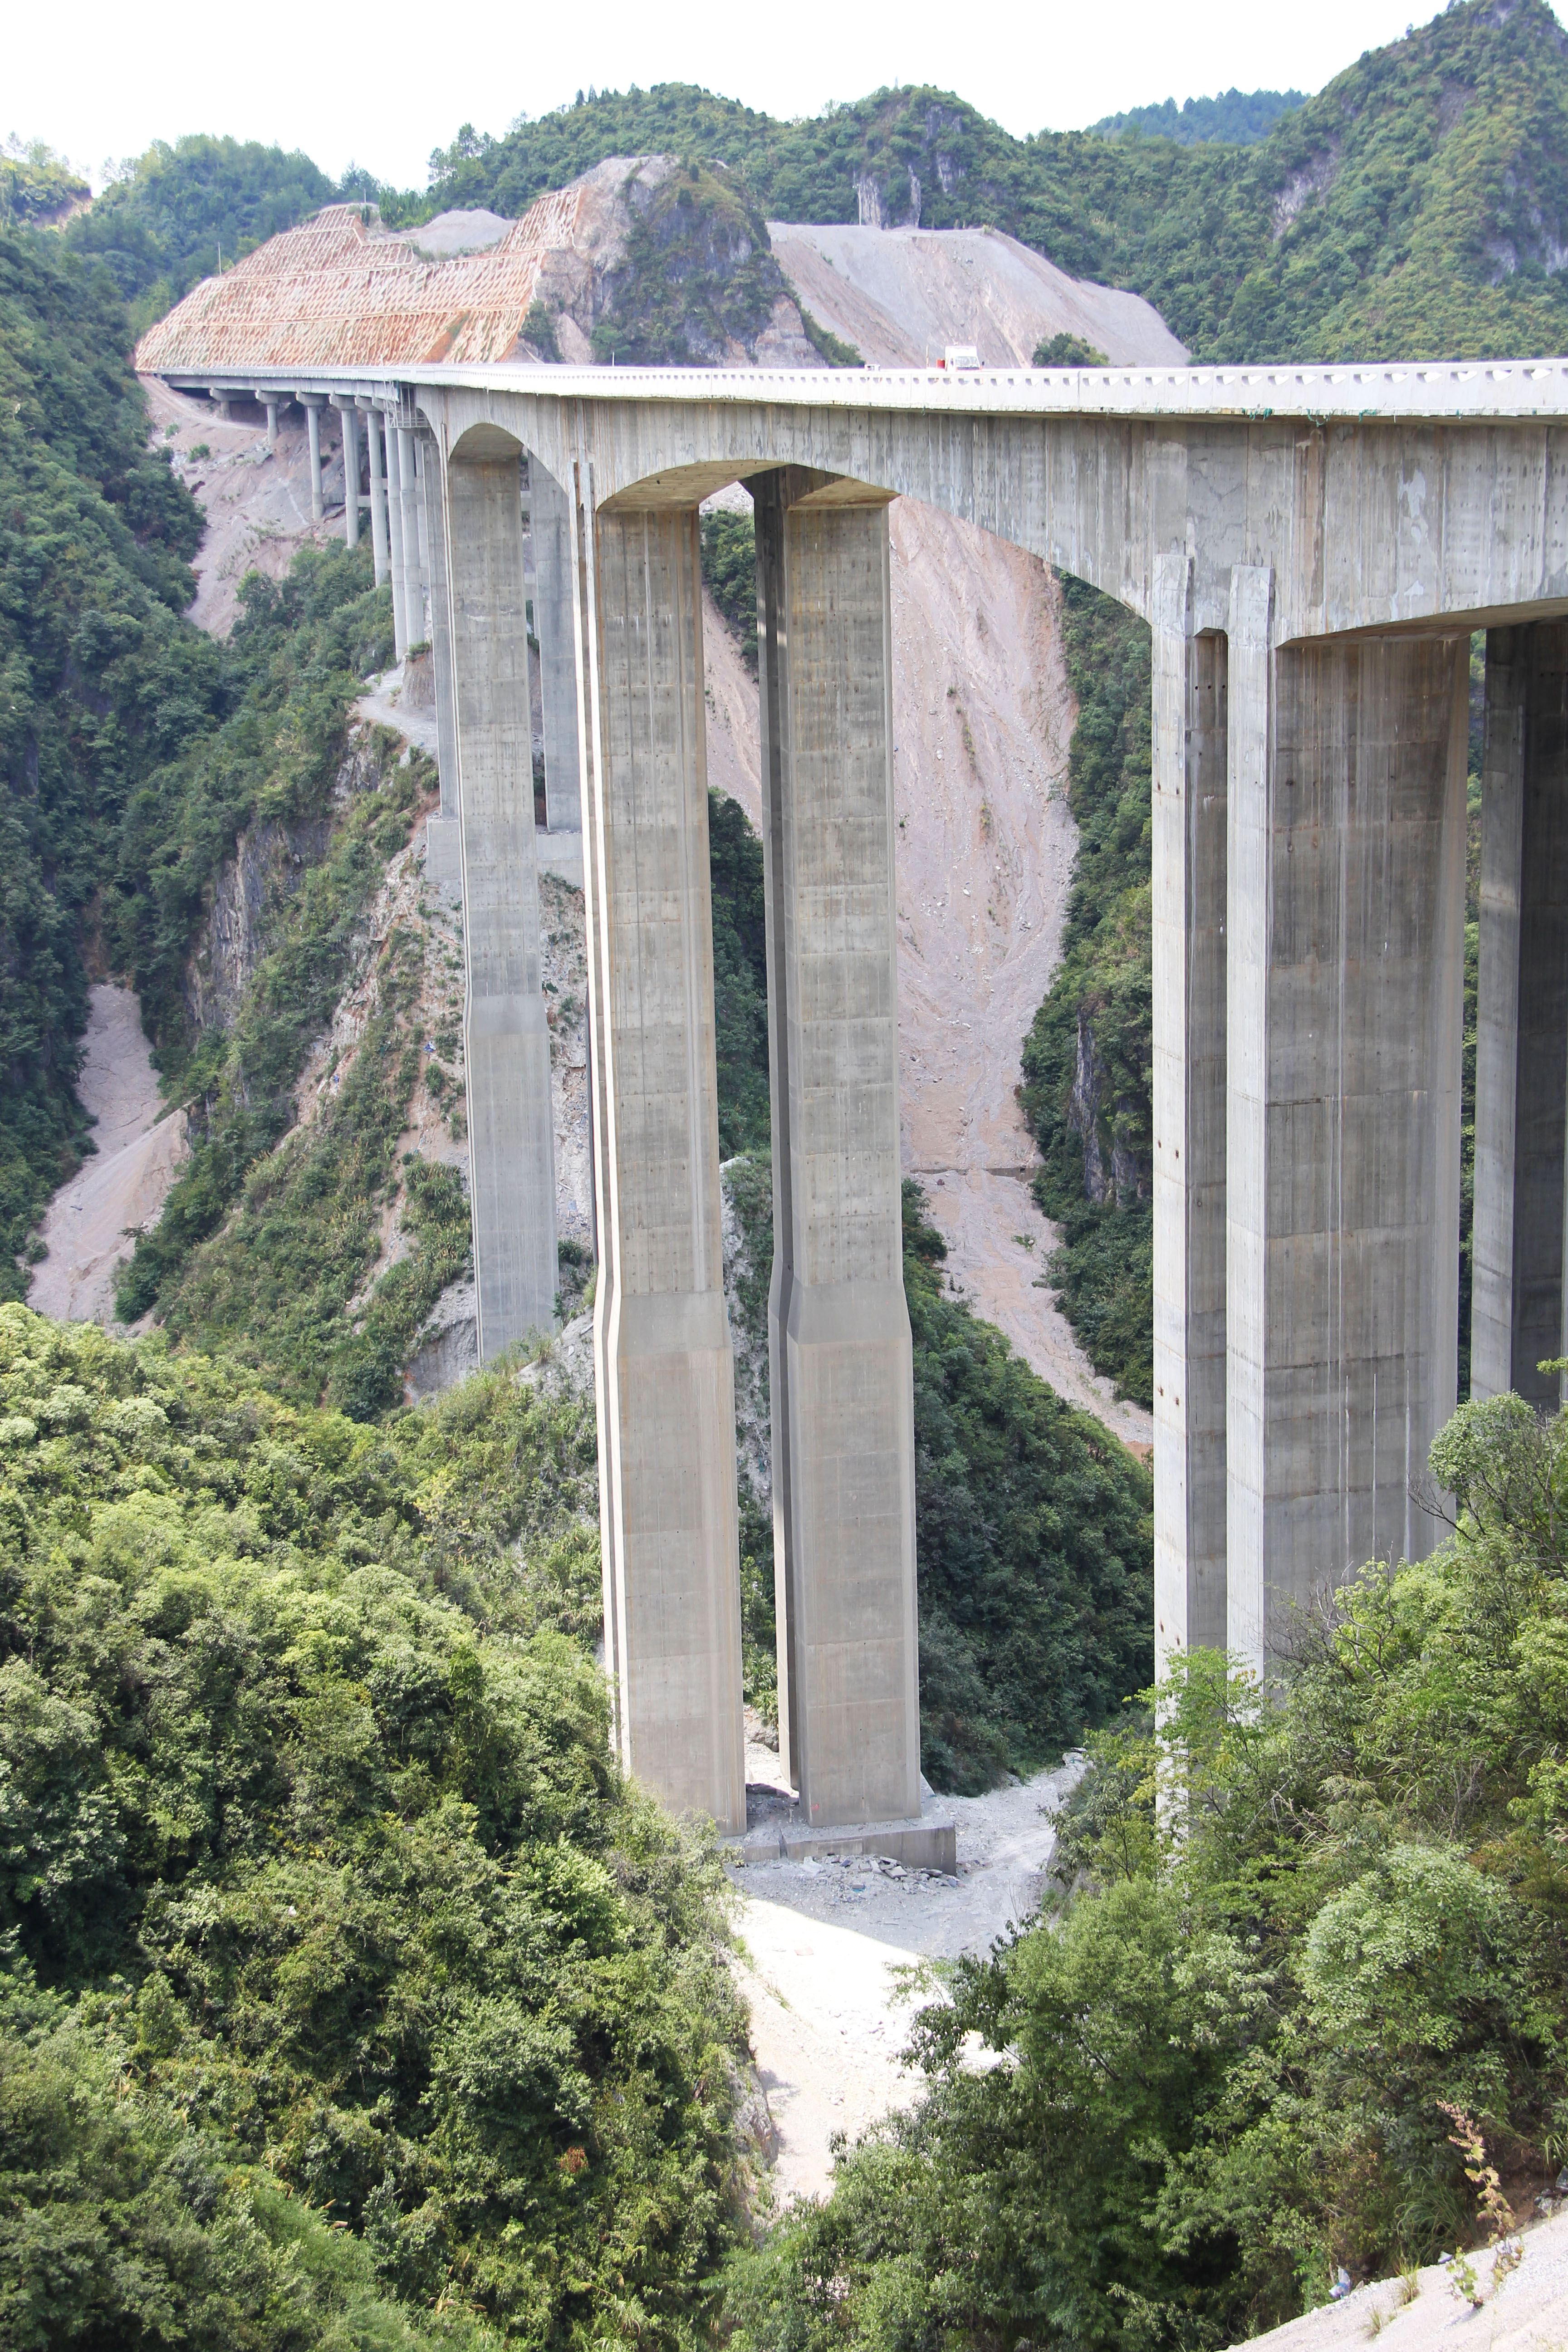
{"type": "Point", "coordinates": [1313, 548]}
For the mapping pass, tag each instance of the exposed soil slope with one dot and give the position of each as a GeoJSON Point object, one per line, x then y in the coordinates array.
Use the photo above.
{"type": "Point", "coordinates": [901, 295]}
{"type": "Point", "coordinates": [91, 1222]}
{"type": "Point", "coordinates": [256, 502]}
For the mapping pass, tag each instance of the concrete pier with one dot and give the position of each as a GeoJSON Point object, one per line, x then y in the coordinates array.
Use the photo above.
{"type": "Point", "coordinates": [839, 1347]}
{"type": "Point", "coordinates": [378, 526]}
{"type": "Point", "coordinates": [1345, 999]}
{"type": "Point", "coordinates": [1188, 824]}
{"type": "Point", "coordinates": [312, 403]}
{"type": "Point", "coordinates": [550, 530]}
{"type": "Point", "coordinates": [348, 417]}
{"type": "Point", "coordinates": [414, 615]}
{"type": "Point", "coordinates": [400, 636]}
{"type": "Point", "coordinates": [1521, 1044]}
{"type": "Point", "coordinates": [666, 1387]}
{"type": "Point", "coordinates": [271, 404]}
{"type": "Point", "coordinates": [443, 837]}
{"type": "Point", "coordinates": [512, 1149]}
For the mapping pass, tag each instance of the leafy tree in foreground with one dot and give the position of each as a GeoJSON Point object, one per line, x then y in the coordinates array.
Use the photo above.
{"type": "Point", "coordinates": [330, 1876]}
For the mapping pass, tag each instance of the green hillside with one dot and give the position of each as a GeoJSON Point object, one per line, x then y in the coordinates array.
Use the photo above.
{"type": "Point", "coordinates": [184, 209]}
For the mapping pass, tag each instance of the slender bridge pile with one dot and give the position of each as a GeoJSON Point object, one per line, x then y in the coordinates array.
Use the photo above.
{"type": "Point", "coordinates": [1312, 549]}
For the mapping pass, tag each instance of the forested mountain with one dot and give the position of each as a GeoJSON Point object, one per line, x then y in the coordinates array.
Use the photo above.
{"type": "Point", "coordinates": [1417, 207]}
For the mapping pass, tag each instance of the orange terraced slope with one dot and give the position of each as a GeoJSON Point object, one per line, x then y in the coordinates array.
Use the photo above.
{"type": "Point", "coordinates": [336, 293]}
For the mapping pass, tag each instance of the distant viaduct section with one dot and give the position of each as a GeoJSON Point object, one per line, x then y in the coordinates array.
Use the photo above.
{"type": "Point", "coordinates": [1312, 549]}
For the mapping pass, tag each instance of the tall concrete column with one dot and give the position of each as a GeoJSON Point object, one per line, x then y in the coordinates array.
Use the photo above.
{"type": "Point", "coordinates": [512, 1151]}
{"type": "Point", "coordinates": [443, 838]}
{"type": "Point", "coordinates": [270, 401]}
{"type": "Point", "coordinates": [1189, 1082]}
{"type": "Point", "coordinates": [840, 1354]}
{"type": "Point", "coordinates": [378, 539]}
{"type": "Point", "coordinates": [400, 638]}
{"type": "Point", "coordinates": [413, 576]}
{"type": "Point", "coordinates": [312, 403]}
{"type": "Point", "coordinates": [1345, 996]}
{"type": "Point", "coordinates": [552, 593]}
{"type": "Point", "coordinates": [666, 1386]}
{"type": "Point", "coordinates": [348, 417]}
{"type": "Point", "coordinates": [1521, 1044]}
{"type": "Point", "coordinates": [350, 476]}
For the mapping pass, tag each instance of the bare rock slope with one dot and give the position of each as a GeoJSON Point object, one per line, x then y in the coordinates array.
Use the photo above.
{"type": "Point", "coordinates": [901, 295]}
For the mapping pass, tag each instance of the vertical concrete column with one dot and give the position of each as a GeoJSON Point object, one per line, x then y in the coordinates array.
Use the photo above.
{"type": "Point", "coordinates": [312, 403]}
{"type": "Point", "coordinates": [270, 401]}
{"type": "Point", "coordinates": [1189, 1091]}
{"type": "Point", "coordinates": [1521, 1044]}
{"type": "Point", "coordinates": [1345, 998]}
{"type": "Point", "coordinates": [665, 1391]}
{"type": "Point", "coordinates": [441, 631]}
{"type": "Point", "coordinates": [840, 1354]}
{"type": "Point", "coordinates": [552, 594]}
{"type": "Point", "coordinates": [400, 636]}
{"type": "Point", "coordinates": [378, 539]}
{"type": "Point", "coordinates": [512, 1151]}
{"type": "Point", "coordinates": [349, 417]}
{"type": "Point", "coordinates": [412, 578]}
{"type": "Point", "coordinates": [443, 836]}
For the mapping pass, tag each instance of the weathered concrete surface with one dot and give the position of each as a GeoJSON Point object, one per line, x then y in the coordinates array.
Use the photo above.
{"type": "Point", "coordinates": [1188, 814]}
{"type": "Point", "coordinates": [665, 1378]}
{"type": "Point", "coordinates": [1345, 996]}
{"type": "Point", "coordinates": [506, 1038]}
{"type": "Point", "coordinates": [843, 1401]}
{"type": "Point", "coordinates": [1522, 1045]}
{"type": "Point", "coordinates": [550, 524]}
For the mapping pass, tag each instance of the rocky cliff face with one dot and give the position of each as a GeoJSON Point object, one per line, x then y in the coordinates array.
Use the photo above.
{"type": "Point", "coordinates": [671, 267]}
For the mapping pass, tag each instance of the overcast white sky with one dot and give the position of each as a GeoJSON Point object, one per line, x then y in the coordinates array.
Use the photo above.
{"type": "Point", "coordinates": [383, 84]}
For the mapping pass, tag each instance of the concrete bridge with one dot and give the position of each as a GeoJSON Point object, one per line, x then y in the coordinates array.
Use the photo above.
{"type": "Point", "coordinates": [1312, 549]}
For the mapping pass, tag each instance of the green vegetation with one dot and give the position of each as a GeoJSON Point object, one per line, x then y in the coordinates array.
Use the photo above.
{"type": "Point", "coordinates": [1238, 116]}
{"type": "Point", "coordinates": [1088, 1057]}
{"type": "Point", "coordinates": [38, 187]}
{"type": "Point", "coordinates": [696, 278]}
{"type": "Point", "coordinates": [1303, 1931]}
{"type": "Point", "coordinates": [740, 977]}
{"type": "Point", "coordinates": [181, 212]}
{"type": "Point", "coordinates": [274, 764]}
{"type": "Point", "coordinates": [728, 543]}
{"type": "Point", "coordinates": [1035, 1535]}
{"type": "Point", "coordinates": [324, 1907]}
{"type": "Point", "coordinates": [1067, 351]}
{"type": "Point", "coordinates": [102, 683]}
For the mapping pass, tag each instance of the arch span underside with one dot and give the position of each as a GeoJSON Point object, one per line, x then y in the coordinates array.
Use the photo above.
{"type": "Point", "coordinates": [1311, 587]}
